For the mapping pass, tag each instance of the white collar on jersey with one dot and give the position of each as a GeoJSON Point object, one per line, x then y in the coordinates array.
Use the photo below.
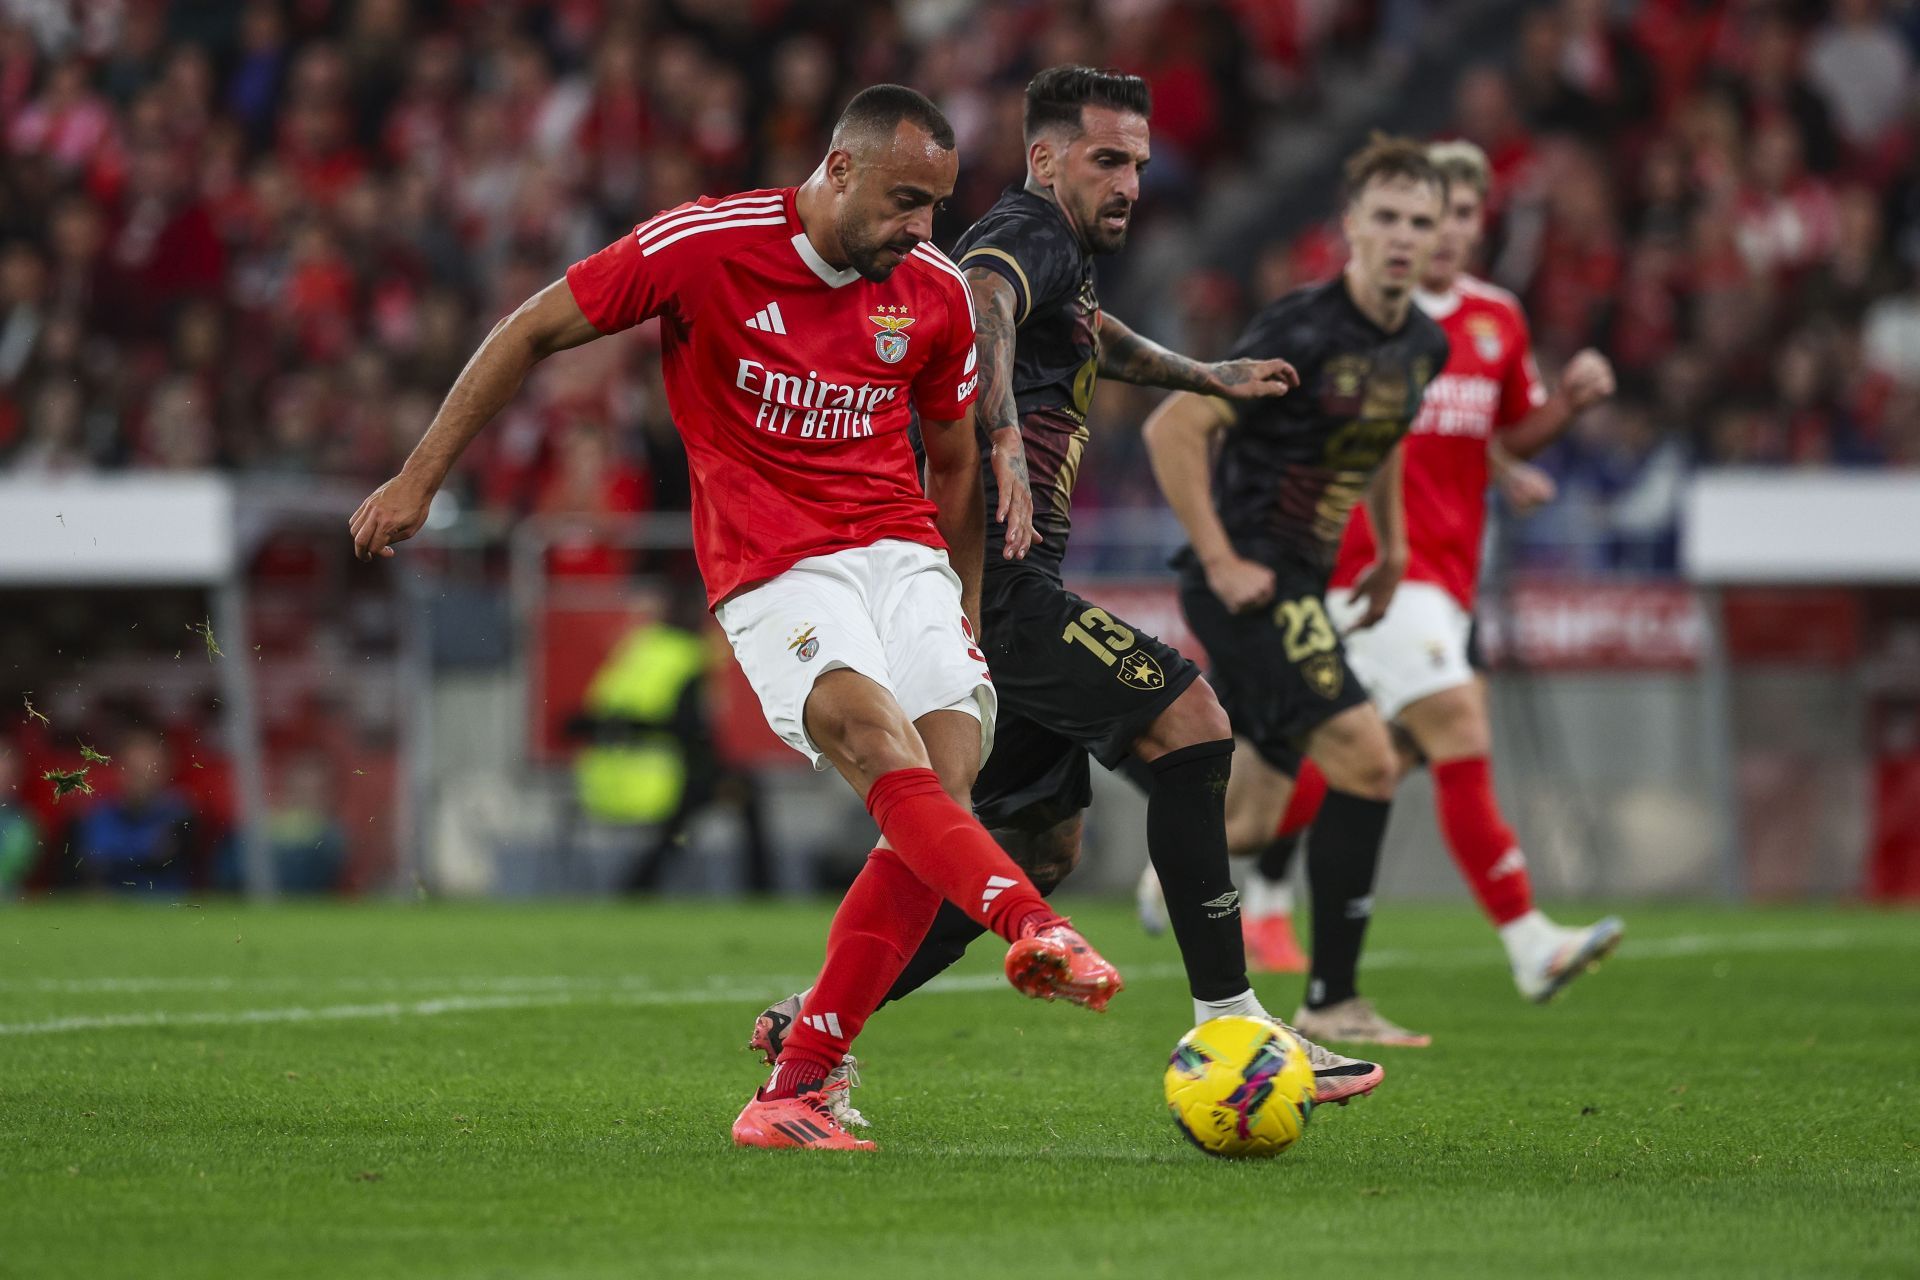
{"type": "Point", "coordinates": [1438, 305]}
{"type": "Point", "coordinates": [835, 277]}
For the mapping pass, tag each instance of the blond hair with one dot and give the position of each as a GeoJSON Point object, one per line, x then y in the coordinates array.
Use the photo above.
{"type": "Point", "coordinates": [1462, 162]}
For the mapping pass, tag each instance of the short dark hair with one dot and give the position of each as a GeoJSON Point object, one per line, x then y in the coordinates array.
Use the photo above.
{"type": "Point", "coordinates": [1056, 96]}
{"type": "Point", "coordinates": [1386, 156]}
{"type": "Point", "coordinates": [880, 109]}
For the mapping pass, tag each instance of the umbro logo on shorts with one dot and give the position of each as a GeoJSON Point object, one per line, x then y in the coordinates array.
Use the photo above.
{"type": "Point", "coordinates": [768, 319]}
{"type": "Point", "coordinates": [1224, 905]}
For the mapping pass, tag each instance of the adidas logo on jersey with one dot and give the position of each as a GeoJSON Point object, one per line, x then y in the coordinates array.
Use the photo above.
{"type": "Point", "coordinates": [768, 319]}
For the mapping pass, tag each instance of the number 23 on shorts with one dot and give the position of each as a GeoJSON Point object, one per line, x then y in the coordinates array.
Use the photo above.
{"type": "Point", "coordinates": [1305, 628]}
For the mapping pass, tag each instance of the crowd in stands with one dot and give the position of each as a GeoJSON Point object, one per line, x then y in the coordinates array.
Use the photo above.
{"type": "Point", "coordinates": [266, 234]}
{"type": "Point", "coordinates": [1724, 198]}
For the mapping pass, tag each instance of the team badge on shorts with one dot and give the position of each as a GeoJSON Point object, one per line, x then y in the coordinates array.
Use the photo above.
{"type": "Point", "coordinates": [1140, 671]}
{"type": "Point", "coordinates": [804, 644]}
{"type": "Point", "coordinates": [890, 344]}
{"type": "Point", "coordinates": [1324, 674]}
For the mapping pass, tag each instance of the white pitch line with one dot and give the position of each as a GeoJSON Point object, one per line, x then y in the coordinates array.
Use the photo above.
{"type": "Point", "coordinates": [759, 991]}
{"type": "Point", "coordinates": [547, 992]}
{"type": "Point", "coordinates": [495, 984]}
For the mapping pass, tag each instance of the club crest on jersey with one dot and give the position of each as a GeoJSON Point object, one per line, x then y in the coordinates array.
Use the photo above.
{"type": "Point", "coordinates": [890, 344]}
{"type": "Point", "coordinates": [804, 644]}
{"type": "Point", "coordinates": [1486, 337]}
{"type": "Point", "coordinates": [1140, 671]}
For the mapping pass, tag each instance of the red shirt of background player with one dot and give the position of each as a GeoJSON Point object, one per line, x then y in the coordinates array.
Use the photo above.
{"type": "Point", "coordinates": [1490, 383]}
{"type": "Point", "coordinates": [789, 380]}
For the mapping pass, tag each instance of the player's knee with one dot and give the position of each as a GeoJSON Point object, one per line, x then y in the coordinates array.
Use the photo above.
{"type": "Point", "coordinates": [1248, 834]}
{"type": "Point", "coordinates": [1196, 716]}
{"type": "Point", "coordinates": [871, 744]}
{"type": "Point", "coordinates": [1048, 855]}
{"type": "Point", "coordinates": [1056, 854]}
{"type": "Point", "coordinates": [1357, 756]}
{"type": "Point", "coordinates": [1370, 773]}
{"type": "Point", "coordinates": [1450, 726]}
{"type": "Point", "coordinates": [1463, 734]}
{"type": "Point", "coordinates": [1252, 819]}
{"type": "Point", "coordinates": [1206, 720]}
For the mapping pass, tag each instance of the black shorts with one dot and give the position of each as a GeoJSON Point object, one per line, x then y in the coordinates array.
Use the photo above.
{"type": "Point", "coordinates": [1072, 680]}
{"type": "Point", "coordinates": [1280, 670]}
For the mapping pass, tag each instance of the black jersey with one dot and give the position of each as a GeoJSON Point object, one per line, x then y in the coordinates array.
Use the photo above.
{"type": "Point", "coordinates": [1291, 469]}
{"type": "Point", "coordinates": [1025, 239]}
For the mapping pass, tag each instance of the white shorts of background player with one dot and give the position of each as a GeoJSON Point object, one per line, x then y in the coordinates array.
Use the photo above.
{"type": "Point", "coordinates": [1417, 650]}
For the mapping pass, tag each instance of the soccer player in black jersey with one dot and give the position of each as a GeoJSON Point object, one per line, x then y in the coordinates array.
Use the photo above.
{"type": "Point", "coordinates": [1264, 519]}
{"type": "Point", "coordinates": [1072, 678]}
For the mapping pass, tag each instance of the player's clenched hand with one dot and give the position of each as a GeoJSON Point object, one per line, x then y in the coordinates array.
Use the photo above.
{"type": "Point", "coordinates": [1240, 584]}
{"type": "Point", "coordinates": [392, 513]}
{"type": "Point", "coordinates": [1016, 495]}
{"type": "Point", "coordinates": [1253, 379]}
{"type": "Point", "coordinates": [1587, 379]}
{"type": "Point", "coordinates": [1376, 587]}
{"type": "Point", "coordinates": [1526, 487]}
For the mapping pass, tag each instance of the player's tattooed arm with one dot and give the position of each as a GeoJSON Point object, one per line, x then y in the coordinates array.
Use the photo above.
{"type": "Point", "coordinates": [547, 322]}
{"type": "Point", "coordinates": [994, 308]}
{"type": "Point", "coordinates": [1128, 357]}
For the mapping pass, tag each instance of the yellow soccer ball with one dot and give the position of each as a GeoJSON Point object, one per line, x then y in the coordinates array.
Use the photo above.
{"type": "Point", "coordinates": [1240, 1087]}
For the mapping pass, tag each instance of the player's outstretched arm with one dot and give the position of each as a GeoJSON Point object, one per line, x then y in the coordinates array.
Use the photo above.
{"type": "Point", "coordinates": [1525, 487]}
{"type": "Point", "coordinates": [547, 322]}
{"type": "Point", "coordinates": [1387, 508]}
{"type": "Point", "coordinates": [995, 307]}
{"type": "Point", "coordinates": [1587, 380]}
{"type": "Point", "coordinates": [953, 485]}
{"type": "Point", "coordinates": [1128, 357]}
{"type": "Point", "coordinates": [1179, 436]}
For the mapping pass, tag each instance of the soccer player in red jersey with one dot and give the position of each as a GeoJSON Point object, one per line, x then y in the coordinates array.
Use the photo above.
{"type": "Point", "coordinates": [797, 327]}
{"type": "Point", "coordinates": [1414, 662]}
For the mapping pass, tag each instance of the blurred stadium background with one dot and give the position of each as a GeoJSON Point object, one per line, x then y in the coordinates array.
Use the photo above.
{"type": "Point", "coordinates": [246, 244]}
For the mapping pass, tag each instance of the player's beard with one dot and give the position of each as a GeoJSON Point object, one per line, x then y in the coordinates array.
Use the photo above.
{"type": "Point", "coordinates": [1101, 238]}
{"type": "Point", "coordinates": [873, 259]}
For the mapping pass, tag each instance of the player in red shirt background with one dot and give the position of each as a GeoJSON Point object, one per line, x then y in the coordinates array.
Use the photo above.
{"type": "Point", "coordinates": [797, 326]}
{"type": "Point", "coordinates": [1488, 400]}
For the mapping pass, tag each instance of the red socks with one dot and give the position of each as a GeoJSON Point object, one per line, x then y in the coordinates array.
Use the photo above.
{"type": "Point", "coordinates": [948, 850]}
{"type": "Point", "coordinates": [1309, 789]}
{"type": "Point", "coordinates": [880, 923]}
{"type": "Point", "coordinates": [938, 851]}
{"type": "Point", "coordinates": [1483, 845]}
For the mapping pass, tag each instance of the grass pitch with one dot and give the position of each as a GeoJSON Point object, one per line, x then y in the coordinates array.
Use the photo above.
{"type": "Point", "coordinates": [435, 1090]}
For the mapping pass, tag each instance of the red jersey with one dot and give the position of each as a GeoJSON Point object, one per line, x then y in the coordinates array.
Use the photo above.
{"type": "Point", "coordinates": [789, 379]}
{"type": "Point", "coordinates": [1490, 382]}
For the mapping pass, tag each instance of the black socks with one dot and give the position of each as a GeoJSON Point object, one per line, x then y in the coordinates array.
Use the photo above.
{"type": "Point", "coordinates": [1343, 855]}
{"type": "Point", "coordinates": [1187, 840]}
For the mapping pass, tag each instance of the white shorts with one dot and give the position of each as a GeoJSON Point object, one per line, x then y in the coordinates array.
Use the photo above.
{"type": "Point", "coordinates": [1416, 651]}
{"type": "Point", "coordinates": [890, 611]}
